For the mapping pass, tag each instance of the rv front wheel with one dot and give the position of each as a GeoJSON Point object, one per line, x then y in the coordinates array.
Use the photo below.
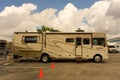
{"type": "Point", "coordinates": [45, 58]}
{"type": "Point", "coordinates": [97, 58]}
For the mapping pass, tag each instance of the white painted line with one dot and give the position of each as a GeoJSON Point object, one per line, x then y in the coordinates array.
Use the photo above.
{"type": "Point", "coordinates": [5, 64]}
{"type": "Point", "coordinates": [13, 67]}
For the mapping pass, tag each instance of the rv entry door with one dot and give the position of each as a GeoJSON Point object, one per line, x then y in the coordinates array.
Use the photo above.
{"type": "Point", "coordinates": [78, 46]}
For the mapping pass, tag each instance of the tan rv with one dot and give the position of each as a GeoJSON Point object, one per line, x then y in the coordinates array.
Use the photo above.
{"type": "Point", "coordinates": [3, 44]}
{"type": "Point", "coordinates": [60, 45]}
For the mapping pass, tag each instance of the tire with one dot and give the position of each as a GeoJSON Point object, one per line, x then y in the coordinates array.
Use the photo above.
{"type": "Point", "coordinates": [97, 58]}
{"type": "Point", "coordinates": [45, 58]}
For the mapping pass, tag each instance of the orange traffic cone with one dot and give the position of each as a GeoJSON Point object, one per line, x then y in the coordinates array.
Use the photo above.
{"type": "Point", "coordinates": [52, 66]}
{"type": "Point", "coordinates": [41, 73]}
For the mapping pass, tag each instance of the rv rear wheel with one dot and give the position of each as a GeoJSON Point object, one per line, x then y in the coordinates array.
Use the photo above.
{"type": "Point", "coordinates": [45, 58]}
{"type": "Point", "coordinates": [97, 58]}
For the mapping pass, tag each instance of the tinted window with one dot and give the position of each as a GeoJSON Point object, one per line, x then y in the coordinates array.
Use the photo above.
{"type": "Point", "coordinates": [30, 39]}
{"type": "Point", "coordinates": [86, 41]}
{"type": "Point", "coordinates": [69, 39]}
{"type": "Point", "coordinates": [78, 41]}
{"type": "Point", "coordinates": [111, 46]}
{"type": "Point", "coordinates": [98, 41]}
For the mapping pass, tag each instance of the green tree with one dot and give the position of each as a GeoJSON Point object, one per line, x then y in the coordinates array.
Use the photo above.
{"type": "Point", "coordinates": [46, 28]}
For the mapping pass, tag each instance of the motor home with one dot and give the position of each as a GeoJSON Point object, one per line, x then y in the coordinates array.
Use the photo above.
{"type": "Point", "coordinates": [113, 47]}
{"type": "Point", "coordinates": [2, 46]}
{"type": "Point", "coordinates": [60, 45]}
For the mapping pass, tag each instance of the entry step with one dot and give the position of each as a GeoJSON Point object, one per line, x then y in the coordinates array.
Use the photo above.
{"type": "Point", "coordinates": [78, 58]}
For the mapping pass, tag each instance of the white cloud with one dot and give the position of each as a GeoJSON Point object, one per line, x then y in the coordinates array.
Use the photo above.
{"type": "Point", "coordinates": [24, 9]}
{"type": "Point", "coordinates": [101, 20]}
{"type": "Point", "coordinates": [114, 9]}
{"type": "Point", "coordinates": [102, 16]}
{"type": "Point", "coordinates": [11, 17]}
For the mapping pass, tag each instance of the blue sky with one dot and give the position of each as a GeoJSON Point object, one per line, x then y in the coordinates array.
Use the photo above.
{"type": "Point", "coordinates": [43, 4]}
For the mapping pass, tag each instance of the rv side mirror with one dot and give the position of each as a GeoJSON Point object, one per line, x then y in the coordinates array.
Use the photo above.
{"type": "Point", "coordinates": [103, 44]}
{"type": "Point", "coordinates": [22, 41]}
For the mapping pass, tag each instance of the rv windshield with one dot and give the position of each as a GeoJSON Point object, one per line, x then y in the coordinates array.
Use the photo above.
{"type": "Point", "coordinates": [99, 41]}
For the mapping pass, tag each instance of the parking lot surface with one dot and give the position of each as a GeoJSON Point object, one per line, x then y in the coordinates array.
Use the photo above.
{"type": "Point", "coordinates": [63, 70]}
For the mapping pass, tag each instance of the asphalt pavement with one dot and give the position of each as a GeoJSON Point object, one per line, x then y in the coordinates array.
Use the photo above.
{"type": "Point", "coordinates": [63, 70]}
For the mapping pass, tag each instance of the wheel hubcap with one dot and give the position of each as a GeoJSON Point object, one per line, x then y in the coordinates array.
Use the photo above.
{"type": "Point", "coordinates": [45, 59]}
{"type": "Point", "coordinates": [97, 58]}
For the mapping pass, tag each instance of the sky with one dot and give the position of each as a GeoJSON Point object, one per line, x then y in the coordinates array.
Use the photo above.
{"type": "Point", "coordinates": [43, 4]}
{"type": "Point", "coordinates": [64, 15]}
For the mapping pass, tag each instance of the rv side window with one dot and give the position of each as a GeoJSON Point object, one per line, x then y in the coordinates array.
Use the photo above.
{"type": "Point", "coordinates": [69, 39]}
{"type": "Point", "coordinates": [99, 41]}
{"type": "Point", "coordinates": [78, 41]}
{"type": "Point", "coordinates": [86, 41]}
{"type": "Point", "coordinates": [30, 39]}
